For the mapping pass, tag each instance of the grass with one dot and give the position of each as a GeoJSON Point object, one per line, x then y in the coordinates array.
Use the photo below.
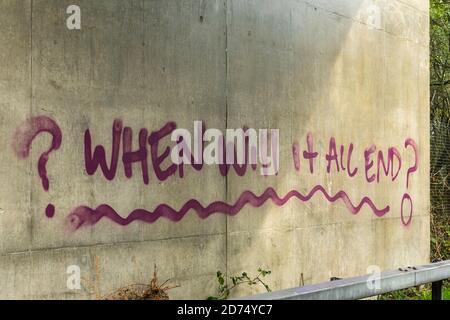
{"type": "Point", "coordinates": [423, 293]}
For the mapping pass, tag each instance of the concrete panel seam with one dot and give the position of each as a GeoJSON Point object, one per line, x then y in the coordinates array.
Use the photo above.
{"type": "Point", "coordinates": [102, 245]}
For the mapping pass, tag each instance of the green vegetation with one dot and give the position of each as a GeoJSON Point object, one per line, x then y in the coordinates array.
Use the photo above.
{"type": "Point", "coordinates": [225, 287]}
{"type": "Point", "coordinates": [414, 294]}
{"type": "Point", "coordinates": [440, 128]}
{"type": "Point", "coordinates": [440, 132]}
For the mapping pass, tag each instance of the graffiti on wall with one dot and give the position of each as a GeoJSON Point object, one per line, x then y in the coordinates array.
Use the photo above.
{"type": "Point", "coordinates": [152, 149]}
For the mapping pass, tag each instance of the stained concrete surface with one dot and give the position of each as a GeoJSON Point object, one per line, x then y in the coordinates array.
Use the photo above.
{"type": "Point", "coordinates": [300, 66]}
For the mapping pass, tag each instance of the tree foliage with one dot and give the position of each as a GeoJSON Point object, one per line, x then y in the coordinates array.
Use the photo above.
{"type": "Point", "coordinates": [440, 128]}
{"type": "Point", "coordinates": [440, 59]}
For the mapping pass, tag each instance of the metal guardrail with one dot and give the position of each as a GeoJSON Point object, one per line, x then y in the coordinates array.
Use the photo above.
{"type": "Point", "coordinates": [365, 286]}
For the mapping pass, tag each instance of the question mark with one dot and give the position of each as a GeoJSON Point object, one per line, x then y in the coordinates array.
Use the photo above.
{"type": "Point", "coordinates": [23, 138]}
{"type": "Point", "coordinates": [406, 197]}
{"type": "Point", "coordinates": [411, 143]}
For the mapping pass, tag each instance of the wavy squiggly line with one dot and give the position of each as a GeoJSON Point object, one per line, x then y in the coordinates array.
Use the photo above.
{"type": "Point", "coordinates": [83, 216]}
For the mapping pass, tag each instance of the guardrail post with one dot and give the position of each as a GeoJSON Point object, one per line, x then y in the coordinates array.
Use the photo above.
{"type": "Point", "coordinates": [436, 290]}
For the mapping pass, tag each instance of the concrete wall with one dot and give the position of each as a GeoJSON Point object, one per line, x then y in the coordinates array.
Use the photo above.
{"type": "Point", "coordinates": [354, 70]}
